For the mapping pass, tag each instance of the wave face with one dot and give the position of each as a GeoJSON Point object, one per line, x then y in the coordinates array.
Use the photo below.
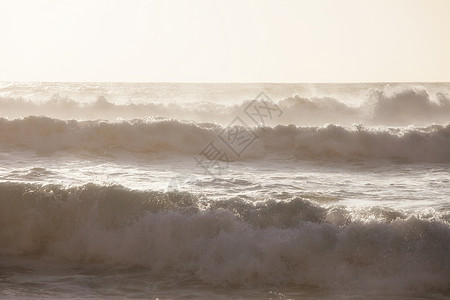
{"type": "Point", "coordinates": [384, 106]}
{"type": "Point", "coordinates": [229, 242]}
{"type": "Point", "coordinates": [48, 135]}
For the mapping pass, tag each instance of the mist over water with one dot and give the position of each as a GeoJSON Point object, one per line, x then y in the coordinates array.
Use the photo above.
{"type": "Point", "coordinates": [376, 105]}
{"type": "Point", "coordinates": [343, 190]}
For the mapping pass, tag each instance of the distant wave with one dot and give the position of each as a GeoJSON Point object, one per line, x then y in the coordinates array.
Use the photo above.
{"type": "Point", "coordinates": [230, 242]}
{"type": "Point", "coordinates": [47, 135]}
{"type": "Point", "coordinates": [391, 107]}
{"type": "Point", "coordinates": [387, 106]}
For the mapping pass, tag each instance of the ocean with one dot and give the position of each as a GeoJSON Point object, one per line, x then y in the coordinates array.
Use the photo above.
{"type": "Point", "coordinates": [225, 191]}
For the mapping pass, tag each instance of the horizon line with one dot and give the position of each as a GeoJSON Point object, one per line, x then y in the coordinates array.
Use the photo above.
{"type": "Point", "coordinates": [223, 82]}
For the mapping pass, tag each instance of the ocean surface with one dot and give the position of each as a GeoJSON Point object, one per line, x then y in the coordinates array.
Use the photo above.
{"type": "Point", "coordinates": [225, 191]}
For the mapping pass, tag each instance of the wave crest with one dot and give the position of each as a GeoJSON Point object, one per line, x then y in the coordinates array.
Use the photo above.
{"type": "Point", "coordinates": [48, 135]}
{"type": "Point", "coordinates": [231, 242]}
{"type": "Point", "coordinates": [391, 106]}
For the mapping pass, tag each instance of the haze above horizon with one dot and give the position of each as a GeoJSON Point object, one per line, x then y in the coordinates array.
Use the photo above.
{"type": "Point", "coordinates": [225, 41]}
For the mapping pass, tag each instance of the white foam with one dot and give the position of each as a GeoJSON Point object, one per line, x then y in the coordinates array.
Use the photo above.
{"type": "Point", "coordinates": [234, 242]}
{"type": "Point", "coordinates": [410, 105]}
{"type": "Point", "coordinates": [48, 135]}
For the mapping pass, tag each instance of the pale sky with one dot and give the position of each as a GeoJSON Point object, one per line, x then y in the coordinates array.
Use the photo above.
{"type": "Point", "coordinates": [225, 40]}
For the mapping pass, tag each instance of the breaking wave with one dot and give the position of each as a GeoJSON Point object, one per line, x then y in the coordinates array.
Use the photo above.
{"type": "Point", "coordinates": [230, 242]}
{"type": "Point", "coordinates": [382, 106]}
{"type": "Point", "coordinates": [47, 135]}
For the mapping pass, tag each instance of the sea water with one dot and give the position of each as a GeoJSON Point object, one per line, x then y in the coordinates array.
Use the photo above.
{"type": "Point", "coordinates": [243, 191]}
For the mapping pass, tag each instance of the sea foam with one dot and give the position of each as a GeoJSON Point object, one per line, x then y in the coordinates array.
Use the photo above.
{"type": "Point", "coordinates": [229, 242]}
{"type": "Point", "coordinates": [387, 106]}
{"type": "Point", "coordinates": [47, 135]}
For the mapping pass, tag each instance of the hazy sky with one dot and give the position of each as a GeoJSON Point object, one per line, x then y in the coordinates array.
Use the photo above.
{"type": "Point", "coordinates": [225, 40]}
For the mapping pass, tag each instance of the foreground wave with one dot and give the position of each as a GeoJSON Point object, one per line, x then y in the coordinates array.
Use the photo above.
{"type": "Point", "coordinates": [47, 135]}
{"type": "Point", "coordinates": [229, 242]}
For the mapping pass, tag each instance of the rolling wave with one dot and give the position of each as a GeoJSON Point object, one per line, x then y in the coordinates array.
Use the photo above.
{"type": "Point", "coordinates": [229, 242]}
{"type": "Point", "coordinates": [47, 135]}
{"type": "Point", "coordinates": [386, 106]}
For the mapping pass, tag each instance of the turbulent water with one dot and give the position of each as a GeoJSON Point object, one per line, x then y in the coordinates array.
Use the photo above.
{"type": "Point", "coordinates": [307, 191]}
